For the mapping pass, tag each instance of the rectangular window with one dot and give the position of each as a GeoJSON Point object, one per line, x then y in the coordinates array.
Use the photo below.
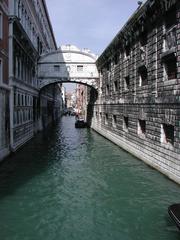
{"type": "Point", "coordinates": [56, 68]}
{"type": "Point", "coordinates": [25, 100]}
{"type": "Point", "coordinates": [126, 83]}
{"type": "Point", "coordinates": [109, 66]}
{"type": "Point", "coordinates": [107, 89]}
{"type": "Point", "coordinates": [1, 72]}
{"type": "Point", "coordinates": [116, 59]}
{"type": "Point", "coordinates": [143, 77]}
{"type": "Point", "coordinates": [79, 68]}
{"type": "Point", "coordinates": [143, 43]}
{"type": "Point", "coordinates": [22, 100]}
{"type": "Point", "coordinates": [106, 118]}
{"type": "Point", "coordinates": [143, 39]}
{"type": "Point", "coordinates": [170, 39]}
{"type": "Point", "coordinates": [15, 102]}
{"type": "Point", "coordinates": [170, 69]}
{"type": "Point", "coordinates": [125, 123]}
{"type": "Point", "coordinates": [1, 25]}
{"type": "Point", "coordinates": [100, 116]}
{"type": "Point", "coordinates": [15, 117]}
{"type": "Point", "coordinates": [18, 102]}
{"type": "Point", "coordinates": [115, 86]}
{"type": "Point", "coordinates": [170, 18]}
{"type": "Point", "coordinates": [167, 133]}
{"type": "Point", "coordinates": [127, 51]}
{"type": "Point", "coordinates": [114, 121]}
{"type": "Point", "coordinates": [141, 127]}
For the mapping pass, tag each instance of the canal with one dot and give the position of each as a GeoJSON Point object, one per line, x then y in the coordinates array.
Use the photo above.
{"type": "Point", "coordinates": [72, 184]}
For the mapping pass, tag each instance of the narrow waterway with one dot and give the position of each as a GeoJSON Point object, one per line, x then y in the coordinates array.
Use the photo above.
{"type": "Point", "coordinates": [72, 184]}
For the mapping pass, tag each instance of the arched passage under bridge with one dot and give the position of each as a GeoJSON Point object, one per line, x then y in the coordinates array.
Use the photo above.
{"type": "Point", "coordinates": [70, 65]}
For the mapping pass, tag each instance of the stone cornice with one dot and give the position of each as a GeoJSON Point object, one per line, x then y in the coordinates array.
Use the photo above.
{"type": "Point", "coordinates": [49, 22]}
{"type": "Point", "coordinates": [143, 17]}
{"type": "Point", "coordinates": [67, 51]}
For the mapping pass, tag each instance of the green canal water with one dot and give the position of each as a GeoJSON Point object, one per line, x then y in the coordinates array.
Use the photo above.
{"type": "Point", "coordinates": [72, 184]}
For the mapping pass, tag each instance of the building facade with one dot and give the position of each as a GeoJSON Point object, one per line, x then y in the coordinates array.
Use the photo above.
{"type": "Point", "coordinates": [81, 100]}
{"type": "Point", "coordinates": [51, 105]}
{"type": "Point", "coordinates": [139, 87]}
{"type": "Point", "coordinates": [30, 35]}
{"type": "Point", "coordinates": [4, 82]}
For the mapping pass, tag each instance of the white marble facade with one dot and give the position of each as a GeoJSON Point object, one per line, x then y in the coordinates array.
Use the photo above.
{"type": "Point", "coordinates": [30, 35]}
{"type": "Point", "coordinates": [68, 64]}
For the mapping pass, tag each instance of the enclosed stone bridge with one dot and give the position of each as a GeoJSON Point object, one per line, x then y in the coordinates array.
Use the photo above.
{"type": "Point", "coordinates": [68, 64]}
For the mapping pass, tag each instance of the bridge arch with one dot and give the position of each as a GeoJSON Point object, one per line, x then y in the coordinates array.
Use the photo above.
{"type": "Point", "coordinates": [68, 64]}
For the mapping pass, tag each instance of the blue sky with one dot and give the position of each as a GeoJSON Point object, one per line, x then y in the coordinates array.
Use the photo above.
{"type": "Point", "coordinates": [89, 23]}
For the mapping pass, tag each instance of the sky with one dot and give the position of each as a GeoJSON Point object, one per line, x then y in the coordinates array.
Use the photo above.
{"type": "Point", "coordinates": [89, 23]}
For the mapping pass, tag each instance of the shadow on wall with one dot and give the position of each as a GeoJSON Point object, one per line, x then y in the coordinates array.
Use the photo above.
{"type": "Point", "coordinates": [93, 95]}
{"type": "Point", "coordinates": [50, 102]}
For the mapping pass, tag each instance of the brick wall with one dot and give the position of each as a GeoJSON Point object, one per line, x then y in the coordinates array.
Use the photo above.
{"type": "Point", "coordinates": [139, 104]}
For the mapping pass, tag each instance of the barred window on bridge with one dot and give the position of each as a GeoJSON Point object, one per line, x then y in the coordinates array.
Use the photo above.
{"type": "Point", "coordinates": [79, 68]}
{"type": "Point", "coordinates": [56, 68]}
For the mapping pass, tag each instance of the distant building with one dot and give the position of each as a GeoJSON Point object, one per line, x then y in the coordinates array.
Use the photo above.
{"type": "Point", "coordinates": [4, 81]}
{"type": "Point", "coordinates": [70, 103]}
{"type": "Point", "coordinates": [81, 100]}
{"type": "Point", "coordinates": [63, 94]}
{"type": "Point", "coordinates": [73, 97]}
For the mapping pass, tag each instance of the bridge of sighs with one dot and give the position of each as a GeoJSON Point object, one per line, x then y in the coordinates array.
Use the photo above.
{"type": "Point", "coordinates": [68, 64]}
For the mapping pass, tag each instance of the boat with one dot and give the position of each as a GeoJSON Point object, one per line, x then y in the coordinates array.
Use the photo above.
{"type": "Point", "coordinates": [80, 123]}
{"type": "Point", "coordinates": [174, 212]}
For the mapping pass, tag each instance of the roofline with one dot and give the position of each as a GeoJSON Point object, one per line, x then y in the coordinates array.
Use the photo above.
{"type": "Point", "coordinates": [124, 27]}
{"type": "Point", "coordinates": [68, 51]}
{"type": "Point", "coordinates": [135, 17]}
{"type": "Point", "coordinates": [49, 21]}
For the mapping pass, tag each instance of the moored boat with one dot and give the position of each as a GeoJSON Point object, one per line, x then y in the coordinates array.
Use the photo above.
{"type": "Point", "coordinates": [174, 212]}
{"type": "Point", "coordinates": [80, 123]}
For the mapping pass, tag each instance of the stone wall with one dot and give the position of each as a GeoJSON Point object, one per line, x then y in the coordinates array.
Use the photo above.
{"type": "Point", "coordinates": [4, 88]}
{"type": "Point", "coordinates": [4, 122]}
{"type": "Point", "coordinates": [138, 106]}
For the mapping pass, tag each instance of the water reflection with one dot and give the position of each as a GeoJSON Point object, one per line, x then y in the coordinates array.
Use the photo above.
{"type": "Point", "coordinates": [71, 183]}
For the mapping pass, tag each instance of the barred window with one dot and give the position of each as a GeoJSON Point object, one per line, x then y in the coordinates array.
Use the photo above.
{"type": "Point", "coordinates": [143, 77]}
{"type": "Point", "coordinates": [107, 89]}
{"type": "Point", "coordinates": [167, 133]}
{"type": "Point", "coordinates": [114, 121]}
{"type": "Point", "coordinates": [126, 83]}
{"type": "Point", "coordinates": [106, 118]}
{"type": "Point", "coordinates": [143, 39]}
{"type": "Point", "coordinates": [170, 69]}
{"type": "Point", "coordinates": [125, 123]}
{"type": "Point", "coordinates": [170, 18]}
{"type": "Point", "coordinates": [141, 127]}
{"type": "Point", "coordinates": [79, 68]}
{"type": "Point", "coordinates": [56, 68]}
{"type": "Point", "coordinates": [115, 86]}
